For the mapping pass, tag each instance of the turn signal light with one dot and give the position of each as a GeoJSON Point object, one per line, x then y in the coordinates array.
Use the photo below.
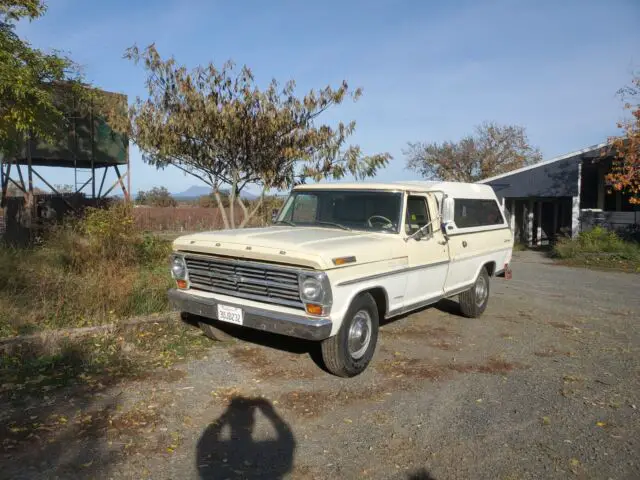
{"type": "Point", "coordinates": [344, 260]}
{"type": "Point", "coordinates": [181, 284]}
{"type": "Point", "coordinates": [314, 309]}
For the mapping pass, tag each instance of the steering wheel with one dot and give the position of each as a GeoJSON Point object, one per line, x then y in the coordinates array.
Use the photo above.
{"type": "Point", "coordinates": [379, 217]}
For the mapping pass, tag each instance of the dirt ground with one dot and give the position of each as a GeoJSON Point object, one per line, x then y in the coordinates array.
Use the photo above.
{"type": "Point", "coordinates": [545, 385]}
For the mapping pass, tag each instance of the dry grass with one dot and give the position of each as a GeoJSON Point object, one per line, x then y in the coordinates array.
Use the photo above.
{"type": "Point", "coordinates": [93, 363]}
{"type": "Point", "coordinates": [314, 403]}
{"type": "Point", "coordinates": [548, 352]}
{"type": "Point", "coordinates": [88, 272]}
{"type": "Point", "coordinates": [130, 432]}
{"type": "Point", "coordinates": [188, 218]}
{"type": "Point", "coordinates": [177, 219]}
{"type": "Point", "coordinates": [560, 325]}
{"type": "Point", "coordinates": [401, 368]}
{"type": "Point", "coordinates": [496, 366]}
{"type": "Point", "coordinates": [422, 331]}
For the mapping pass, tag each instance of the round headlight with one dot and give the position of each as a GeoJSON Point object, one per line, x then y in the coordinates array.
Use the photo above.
{"type": "Point", "coordinates": [311, 289]}
{"type": "Point", "coordinates": [178, 268]}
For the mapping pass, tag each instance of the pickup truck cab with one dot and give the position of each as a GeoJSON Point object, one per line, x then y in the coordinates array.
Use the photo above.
{"type": "Point", "coordinates": [340, 258]}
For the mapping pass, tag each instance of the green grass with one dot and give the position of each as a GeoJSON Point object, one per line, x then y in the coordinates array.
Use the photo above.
{"type": "Point", "coordinates": [599, 248]}
{"type": "Point", "coordinates": [519, 247]}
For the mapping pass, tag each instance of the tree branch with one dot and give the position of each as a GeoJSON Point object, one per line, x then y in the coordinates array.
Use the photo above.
{"type": "Point", "coordinates": [255, 209]}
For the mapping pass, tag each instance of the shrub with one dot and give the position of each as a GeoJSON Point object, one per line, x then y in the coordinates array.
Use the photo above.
{"type": "Point", "coordinates": [599, 247]}
{"type": "Point", "coordinates": [88, 271]}
{"type": "Point", "coordinates": [156, 197]}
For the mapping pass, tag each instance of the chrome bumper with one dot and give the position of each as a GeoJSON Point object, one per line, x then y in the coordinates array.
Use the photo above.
{"type": "Point", "coordinates": [300, 326]}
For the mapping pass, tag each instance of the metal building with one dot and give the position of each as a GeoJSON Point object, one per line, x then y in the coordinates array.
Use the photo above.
{"type": "Point", "coordinates": [562, 196]}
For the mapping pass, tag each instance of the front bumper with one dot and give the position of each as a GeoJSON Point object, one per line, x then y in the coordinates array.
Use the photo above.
{"type": "Point", "coordinates": [300, 326]}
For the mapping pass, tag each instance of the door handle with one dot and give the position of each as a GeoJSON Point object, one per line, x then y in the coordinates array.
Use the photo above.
{"type": "Point", "coordinates": [443, 242]}
{"type": "Point", "coordinates": [464, 243]}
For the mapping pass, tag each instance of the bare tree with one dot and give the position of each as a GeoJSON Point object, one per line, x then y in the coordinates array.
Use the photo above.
{"type": "Point", "coordinates": [492, 150]}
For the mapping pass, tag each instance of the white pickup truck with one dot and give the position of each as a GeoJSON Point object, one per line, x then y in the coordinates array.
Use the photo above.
{"type": "Point", "coordinates": [342, 257]}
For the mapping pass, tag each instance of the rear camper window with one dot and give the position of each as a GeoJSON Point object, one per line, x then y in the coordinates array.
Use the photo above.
{"type": "Point", "coordinates": [476, 213]}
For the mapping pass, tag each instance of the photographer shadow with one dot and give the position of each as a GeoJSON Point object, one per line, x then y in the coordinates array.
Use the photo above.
{"type": "Point", "coordinates": [237, 454]}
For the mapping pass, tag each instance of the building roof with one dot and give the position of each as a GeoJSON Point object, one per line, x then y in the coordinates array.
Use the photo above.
{"type": "Point", "coordinates": [454, 189]}
{"type": "Point", "coordinates": [577, 154]}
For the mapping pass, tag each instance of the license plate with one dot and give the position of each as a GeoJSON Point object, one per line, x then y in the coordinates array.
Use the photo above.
{"type": "Point", "coordinates": [230, 314]}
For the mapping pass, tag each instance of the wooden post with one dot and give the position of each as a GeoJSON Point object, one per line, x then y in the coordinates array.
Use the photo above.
{"type": "Point", "coordinates": [124, 189]}
{"type": "Point", "coordinates": [104, 175]}
{"type": "Point", "coordinates": [601, 186]}
{"type": "Point", "coordinates": [529, 218]}
{"type": "Point", "coordinates": [555, 219]}
{"type": "Point", "coordinates": [539, 229]}
{"type": "Point", "coordinates": [575, 206]}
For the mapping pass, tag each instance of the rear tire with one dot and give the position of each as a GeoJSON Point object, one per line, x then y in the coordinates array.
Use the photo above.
{"type": "Point", "coordinates": [474, 301]}
{"type": "Point", "coordinates": [213, 332]}
{"type": "Point", "coordinates": [348, 353]}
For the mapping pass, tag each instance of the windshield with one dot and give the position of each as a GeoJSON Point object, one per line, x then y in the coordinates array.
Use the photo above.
{"type": "Point", "coordinates": [376, 211]}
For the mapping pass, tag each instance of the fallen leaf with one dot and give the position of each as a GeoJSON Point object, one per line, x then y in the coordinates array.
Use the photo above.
{"type": "Point", "coordinates": [601, 424]}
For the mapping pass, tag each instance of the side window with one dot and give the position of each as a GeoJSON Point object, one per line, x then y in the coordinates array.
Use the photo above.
{"type": "Point", "coordinates": [417, 215]}
{"type": "Point", "coordinates": [476, 213]}
{"type": "Point", "coordinates": [305, 209]}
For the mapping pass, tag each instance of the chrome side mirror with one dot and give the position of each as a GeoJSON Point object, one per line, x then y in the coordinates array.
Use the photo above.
{"type": "Point", "coordinates": [447, 214]}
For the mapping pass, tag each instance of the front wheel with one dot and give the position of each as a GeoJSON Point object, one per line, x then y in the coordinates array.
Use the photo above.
{"type": "Point", "coordinates": [348, 353]}
{"type": "Point", "coordinates": [474, 301]}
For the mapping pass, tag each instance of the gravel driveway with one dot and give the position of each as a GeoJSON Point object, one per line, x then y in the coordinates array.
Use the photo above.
{"type": "Point", "coordinates": [545, 385]}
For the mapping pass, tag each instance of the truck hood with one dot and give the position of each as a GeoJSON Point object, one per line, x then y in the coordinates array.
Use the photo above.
{"type": "Point", "coordinates": [313, 247]}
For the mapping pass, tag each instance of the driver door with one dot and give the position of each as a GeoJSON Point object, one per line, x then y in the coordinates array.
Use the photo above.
{"type": "Point", "coordinates": [428, 255]}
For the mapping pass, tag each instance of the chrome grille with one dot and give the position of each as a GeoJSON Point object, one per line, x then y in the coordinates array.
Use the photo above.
{"type": "Point", "coordinates": [245, 279]}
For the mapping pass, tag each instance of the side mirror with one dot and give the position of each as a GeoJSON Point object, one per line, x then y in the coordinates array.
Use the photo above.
{"type": "Point", "coordinates": [448, 208]}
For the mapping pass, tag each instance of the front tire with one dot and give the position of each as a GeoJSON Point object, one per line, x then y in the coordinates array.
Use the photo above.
{"type": "Point", "coordinates": [348, 353]}
{"type": "Point", "coordinates": [474, 301]}
{"type": "Point", "coordinates": [213, 332]}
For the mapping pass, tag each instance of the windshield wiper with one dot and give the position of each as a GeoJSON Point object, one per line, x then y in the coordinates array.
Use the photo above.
{"type": "Point", "coordinates": [286, 222]}
{"type": "Point", "coordinates": [333, 224]}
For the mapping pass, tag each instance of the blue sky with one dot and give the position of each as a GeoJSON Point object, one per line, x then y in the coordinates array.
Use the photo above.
{"type": "Point", "coordinates": [430, 71]}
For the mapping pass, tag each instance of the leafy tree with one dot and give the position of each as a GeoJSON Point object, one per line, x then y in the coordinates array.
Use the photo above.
{"type": "Point", "coordinates": [28, 102]}
{"type": "Point", "coordinates": [156, 197]}
{"type": "Point", "coordinates": [492, 150]}
{"type": "Point", "coordinates": [625, 173]}
{"type": "Point", "coordinates": [219, 126]}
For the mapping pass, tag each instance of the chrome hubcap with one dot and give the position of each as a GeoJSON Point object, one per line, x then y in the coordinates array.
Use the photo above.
{"type": "Point", "coordinates": [481, 291]}
{"type": "Point", "coordinates": [359, 334]}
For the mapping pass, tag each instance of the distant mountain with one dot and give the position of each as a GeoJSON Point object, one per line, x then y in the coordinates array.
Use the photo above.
{"type": "Point", "coordinates": [195, 191]}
